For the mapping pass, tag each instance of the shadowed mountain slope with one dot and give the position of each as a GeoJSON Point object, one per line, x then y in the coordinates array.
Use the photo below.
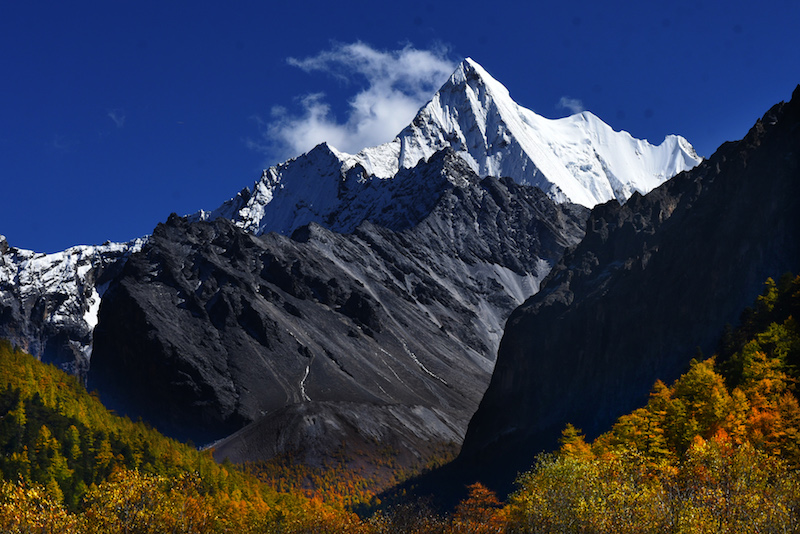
{"type": "Point", "coordinates": [651, 282]}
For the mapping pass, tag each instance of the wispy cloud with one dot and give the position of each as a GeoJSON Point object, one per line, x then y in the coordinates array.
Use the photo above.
{"type": "Point", "coordinates": [574, 105]}
{"type": "Point", "coordinates": [118, 116]}
{"type": "Point", "coordinates": [63, 143]}
{"type": "Point", "coordinates": [398, 83]}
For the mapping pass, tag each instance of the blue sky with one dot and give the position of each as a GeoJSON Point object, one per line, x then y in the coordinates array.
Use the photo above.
{"type": "Point", "coordinates": [114, 114]}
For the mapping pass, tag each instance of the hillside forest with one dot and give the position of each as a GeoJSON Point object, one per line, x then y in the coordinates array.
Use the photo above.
{"type": "Point", "coordinates": [718, 450]}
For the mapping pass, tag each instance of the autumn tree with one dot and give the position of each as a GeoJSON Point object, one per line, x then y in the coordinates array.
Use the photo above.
{"type": "Point", "coordinates": [480, 513]}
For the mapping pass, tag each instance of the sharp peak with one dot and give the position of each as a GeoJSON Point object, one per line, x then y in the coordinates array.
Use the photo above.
{"type": "Point", "coordinates": [326, 149]}
{"type": "Point", "coordinates": [470, 73]}
{"type": "Point", "coordinates": [469, 66]}
{"type": "Point", "coordinates": [469, 62]}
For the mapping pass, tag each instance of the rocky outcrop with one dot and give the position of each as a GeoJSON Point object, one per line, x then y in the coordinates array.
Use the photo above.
{"type": "Point", "coordinates": [210, 328]}
{"type": "Point", "coordinates": [49, 302]}
{"type": "Point", "coordinates": [651, 282]}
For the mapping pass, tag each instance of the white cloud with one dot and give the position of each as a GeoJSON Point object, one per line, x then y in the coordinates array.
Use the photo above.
{"type": "Point", "coordinates": [118, 116]}
{"type": "Point", "coordinates": [398, 83]}
{"type": "Point", "coordinates": [572, 104]}
{"type": "Point", "coordinates": [63, 143]}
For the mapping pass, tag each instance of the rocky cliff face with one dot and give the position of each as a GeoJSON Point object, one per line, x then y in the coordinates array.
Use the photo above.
{"type": "Point", "coordinates": [210, 328]}
{"type": "Point", "coordinates": [651, 282]}
{"type": "Point", "coordinates": [49, 302]}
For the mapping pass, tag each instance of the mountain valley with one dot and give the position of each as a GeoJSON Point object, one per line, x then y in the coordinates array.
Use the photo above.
{"type": "Point", "coordinates": [223, 327]}
{"type": "Point", "coordinates": [353, 305]}
{"type": "Point", "coordinates": [347, 288]}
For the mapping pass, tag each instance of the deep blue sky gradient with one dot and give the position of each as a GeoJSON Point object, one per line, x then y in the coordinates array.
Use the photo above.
{"type": "Point", "coordinates": [114, 114]}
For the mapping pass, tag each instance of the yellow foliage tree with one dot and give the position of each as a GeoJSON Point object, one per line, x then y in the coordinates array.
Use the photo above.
{"type": "Point", "coordinates": [480, 513]}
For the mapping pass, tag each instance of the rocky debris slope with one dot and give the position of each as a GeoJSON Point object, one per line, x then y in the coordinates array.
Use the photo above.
{"type": "Point", "coordinates": [651, 282]}
{"type": "Point", "coordinates": [209, 327]}
{"type": "Point", "coordinates": [363, 436]}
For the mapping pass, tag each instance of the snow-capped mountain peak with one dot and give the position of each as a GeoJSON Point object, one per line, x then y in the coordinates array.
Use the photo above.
{"type": "Point", "coordinates": [577, 159]}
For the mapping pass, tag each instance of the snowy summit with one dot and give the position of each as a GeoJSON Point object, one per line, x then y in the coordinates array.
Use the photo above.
{"type": "Point", "coordinates": [577, 159]}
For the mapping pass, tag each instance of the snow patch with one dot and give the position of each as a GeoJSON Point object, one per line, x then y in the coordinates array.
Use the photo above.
{"type": "Point", "coordinates": [420, 364]}
{"type": "Point", "coordinates": [303, 394]}
{"type": "Point", "coordinates": [65, 280]}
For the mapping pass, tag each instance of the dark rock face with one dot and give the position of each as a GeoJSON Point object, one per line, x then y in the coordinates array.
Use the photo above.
{"type": "Point", "coordinates": [651, 282]}
{"type": "Point", "coordinates": [210, 328]}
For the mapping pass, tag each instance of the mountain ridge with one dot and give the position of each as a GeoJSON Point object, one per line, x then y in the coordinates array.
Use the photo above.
{"type": "Point", "coordinates": [578, 159]}
{"type": "Point", "coordinates": [49, 302]}
{"type": "Point", "coordinates": [234, 327]}
{"type": "Point", "coordinates": [55, 317]}
{"type": "Point", "coordinates": [340, 287]}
